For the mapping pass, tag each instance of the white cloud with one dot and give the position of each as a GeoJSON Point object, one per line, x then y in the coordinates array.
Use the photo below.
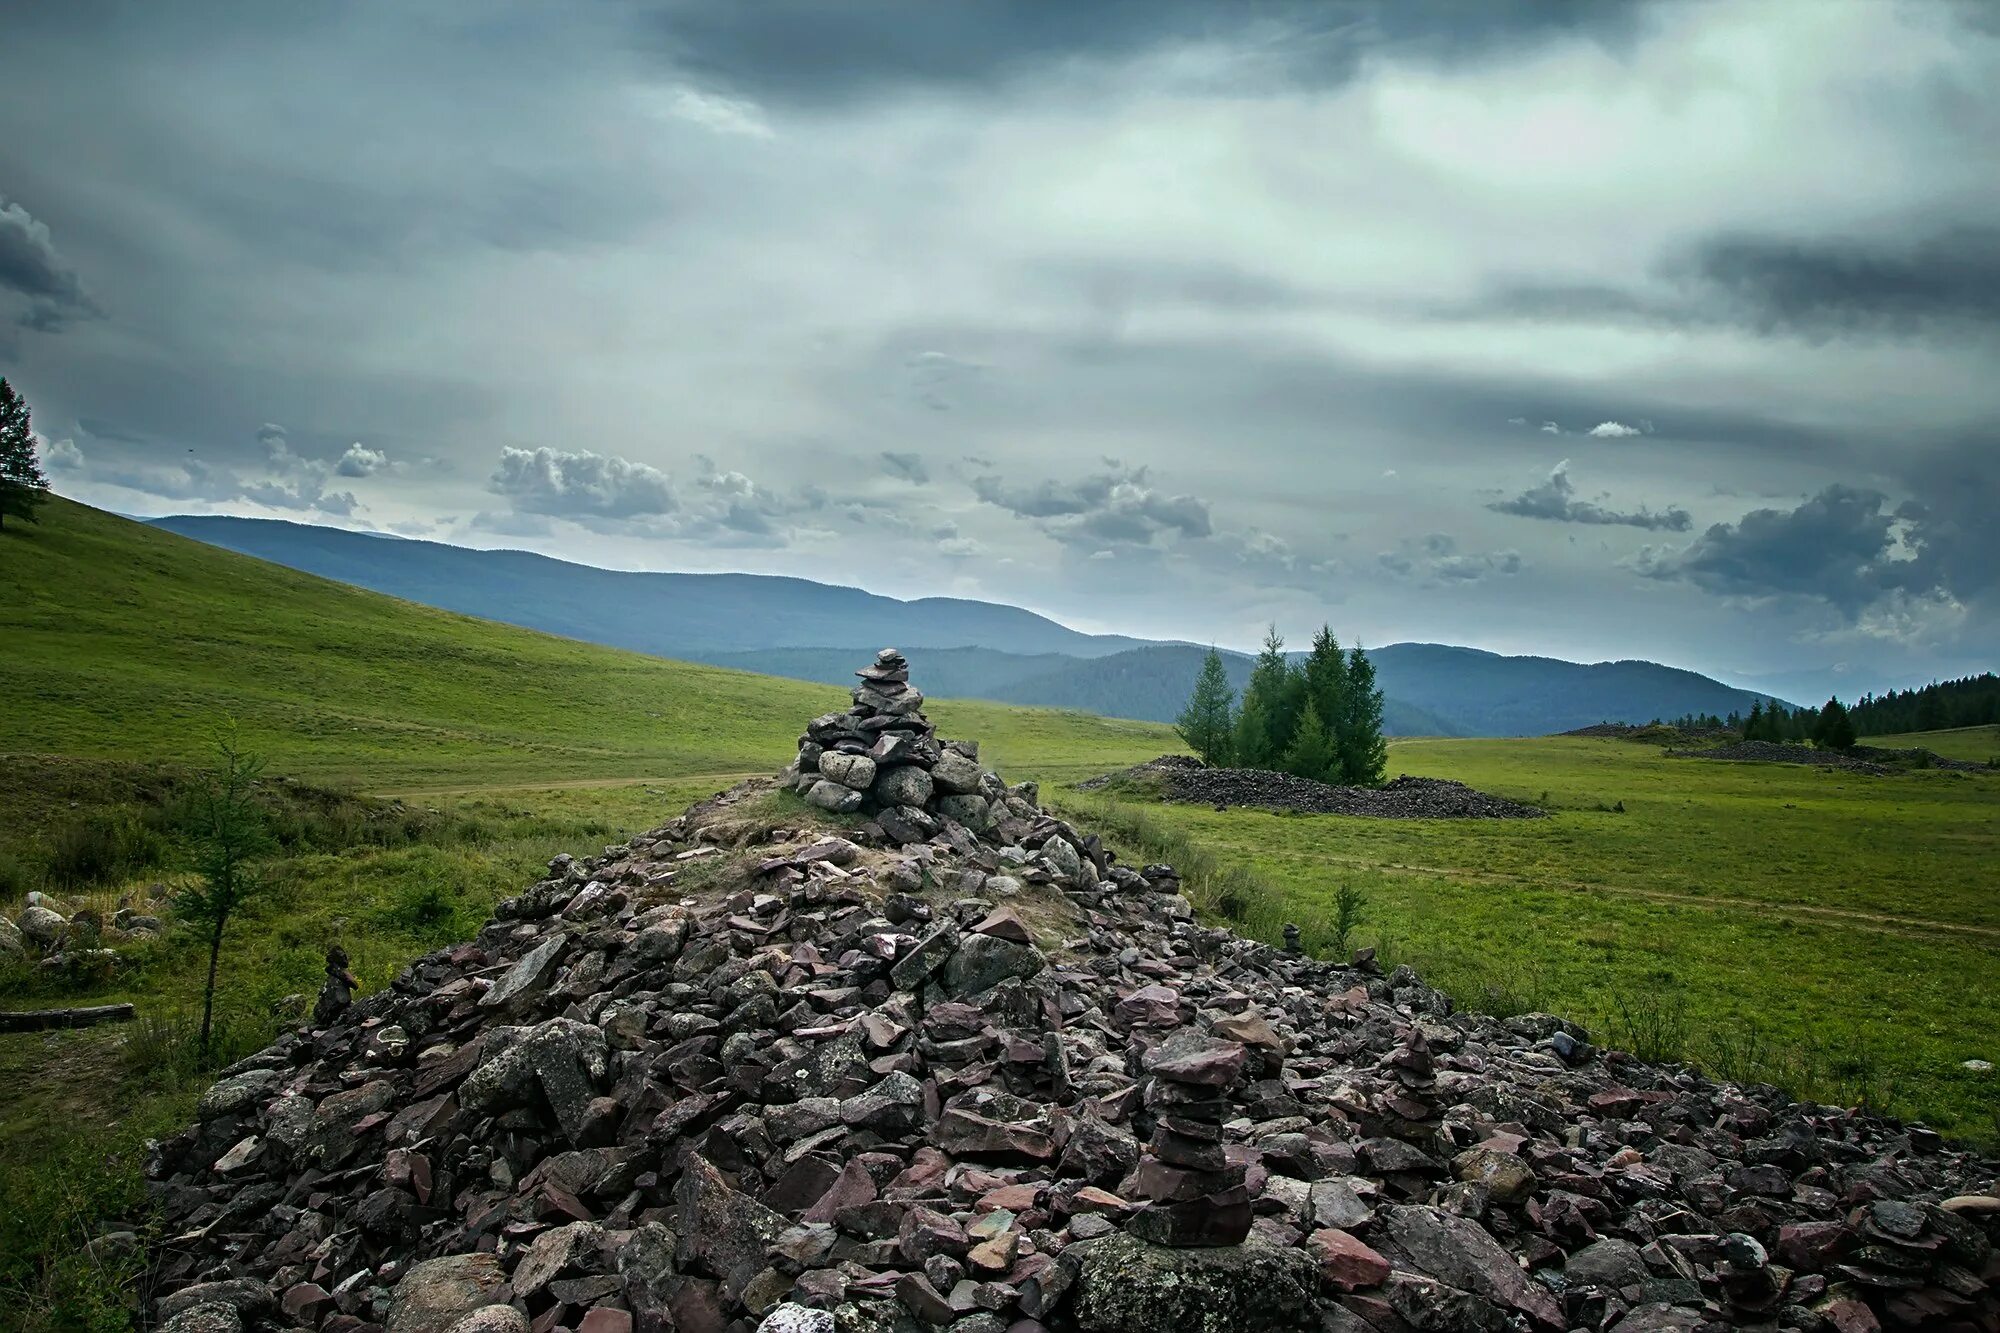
{"type": "Point", "coordinates": [1614, 430]}
{"type": "Point", "coordinates": [717, 113]}
{"type": "Point", "coordinates": [559, 483]}
{"type": "Point", "coordinates": [61, 455]}
{"type": "Point", "coordinates": [361, 461]}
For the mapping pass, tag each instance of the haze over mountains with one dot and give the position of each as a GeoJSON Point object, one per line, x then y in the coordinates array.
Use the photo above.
{"type": "Point", "coordinates": [972, 649]}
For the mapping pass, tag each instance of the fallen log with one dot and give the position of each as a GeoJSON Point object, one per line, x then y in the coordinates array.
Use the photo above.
{"type": "Point", "coordinates": [35, 1020]}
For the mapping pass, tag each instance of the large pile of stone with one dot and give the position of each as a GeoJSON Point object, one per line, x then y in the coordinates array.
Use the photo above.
{"type": "Point", "coordinates": [996, 1082]}
{"type": "Point", "coordinates": [1187, 780]}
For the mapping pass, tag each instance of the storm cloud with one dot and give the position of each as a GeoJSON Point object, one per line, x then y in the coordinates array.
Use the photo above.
{"type": "Point", "coordinates": [1843, 546]}
{"type": "Point", "coordinates": [1555, 498]}
{"type": "Point", "coordinates": [869, 293]}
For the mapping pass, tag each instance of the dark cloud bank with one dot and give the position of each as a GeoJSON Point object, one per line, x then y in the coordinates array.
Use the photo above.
{"type": "Point", "coordinates": [1169, 318]}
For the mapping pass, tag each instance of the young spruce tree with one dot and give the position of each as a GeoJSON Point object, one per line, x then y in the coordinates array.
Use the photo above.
{"type": "Point", "coordinates": [229, 834]}
{"type": "Point", "coordinates": [1312, 753]}
{"type": "Point", "coordinates": [22, 485]}
{"type": "Point", "coordinates": [1364, 755]}
{"type": "Point", "coordinates": [1326, 684]}
{"type": "Point", "coordinates": [1208, 723]}
{"type": "Point", "coordinates": [1264, 724]}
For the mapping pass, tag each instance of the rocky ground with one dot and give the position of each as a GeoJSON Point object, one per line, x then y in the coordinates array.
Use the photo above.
{"type": "Point", "coordinates": [1186, 779]}
{"type": "Point", "coordinates": [768, 1068]}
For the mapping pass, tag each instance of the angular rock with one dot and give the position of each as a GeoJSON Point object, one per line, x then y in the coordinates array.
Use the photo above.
{"type": "Point", "coordinates": [437, 1293]}
{"type": "Point", "coordinates": [981, 962]}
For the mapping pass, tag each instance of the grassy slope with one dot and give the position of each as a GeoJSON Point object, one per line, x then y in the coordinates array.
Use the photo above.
{"type": "Point", "coordinates": [1978, 744]}
{"type": "Point", "coordinates": [123, 640]}
{"type": "Point", "coordinates": [1849, 919]}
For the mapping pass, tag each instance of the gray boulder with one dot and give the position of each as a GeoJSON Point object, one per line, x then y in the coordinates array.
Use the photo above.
{"type": "Point", "coordinates": [1608, 1263]}
{"type": "Point", "coordinates": [1127, 1286]}
{"type": "Point", "coordinates": [794, 1318]}
{"type": "Point", "coordinates": [247, 1297]}
{"type": "Point", "coordinates": [492, 1319]}
{"type": "Point", "coordinates": [438, 1293]}
{"type": "Point", "coordinates": [834, 796]}
{"type": "Point", "coordinates": [849, 770]}
{"type": "Point", "coordinates": [1462, 1254]}
{"type": "Point", "coordinates": [528, 979]}
{"type": "Point", "coordinates": [41, 927]}
{"type": "Point", "coordinates": [214, 1317]}
{"type": "Point", "coordinates": [12, 944]}
{"type": "Point", "coordinates": [975, 812]}
{"type": "Point", "coordinates": [954, 774]}
{"type": "Point", "coordinates": [982, 962]}
{"type": "Point", "coordinates": [905, 784]}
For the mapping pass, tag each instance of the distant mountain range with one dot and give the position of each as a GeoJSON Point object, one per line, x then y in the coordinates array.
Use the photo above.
{"type": "Point", "coordinates": [966, 649]}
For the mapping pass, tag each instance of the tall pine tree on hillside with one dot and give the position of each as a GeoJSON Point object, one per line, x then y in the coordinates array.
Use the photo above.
{"type": "Point", "coordinates": [1311, 753]}
{"type": "Point", "coordinates": [1753, 726]}
{"type": "Point", "coordinates": [1326, 683]}
{"type": "Point", "coordinates": [1364, 755]}
{"type": "Point", "coordinates": [22, 485]}
{"type": "Point", "coordinates": [1208, 722]}
{"type": "Point", "coordinates": [1264, 724]}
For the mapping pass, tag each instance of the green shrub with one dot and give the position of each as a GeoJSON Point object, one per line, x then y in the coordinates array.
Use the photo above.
{"type": "Point", "coordinates": [102, 847]}
{"type": "Point", "coordinates": [163, 1051]}
{"type": "Point", "coordinates": [1653, 1023]}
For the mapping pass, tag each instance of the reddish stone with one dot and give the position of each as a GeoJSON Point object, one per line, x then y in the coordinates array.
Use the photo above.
{"type": "Point", "coordinates": [605, 1319]}
{"type": "Point", "coordinates": [1006, 924]}
{"type": "Point", "coordinates": [1346, 1262]}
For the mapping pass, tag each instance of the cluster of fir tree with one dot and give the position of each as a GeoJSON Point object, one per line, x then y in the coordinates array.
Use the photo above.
{"type": "Point", "coordinates": [1319, 717]}
{"type": "Point", "coordinates": [1829, 727]}
{"type": "Point", "coordinates": [1971, 701]}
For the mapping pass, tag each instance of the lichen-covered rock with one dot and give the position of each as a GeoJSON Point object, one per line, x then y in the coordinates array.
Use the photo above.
{"type": "Point", "coordinates": [42, 927]}
{"type": "Point", "coordinates": [982, 962]}
{"type": "Point", "coordinates": [849, 770]}
{"type": "Point", "coordinates": [1126, 1286]}
{"type": "Point", "coordinates": [836, 797]}
{"type": "Point", "coordinates": [437, 1293]}
{"type": "Point", "coordinates": [905, 784]}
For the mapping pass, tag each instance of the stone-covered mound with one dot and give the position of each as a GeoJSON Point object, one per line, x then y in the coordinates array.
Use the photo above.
{"type": "Point", "coordinates": [1187, 780]}
{"type": "Point", "coordinates": [745, 1072]}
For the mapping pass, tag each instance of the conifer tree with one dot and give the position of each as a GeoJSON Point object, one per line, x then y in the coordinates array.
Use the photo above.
{"type": "Point", "coordinates": [1753, 726]}
{"type": "Point", "coordinates": [1326, 681]}
{"type": "Point", "coordinates": [1208, 722]}
{"type": "Point", "coordinates": [1833, 729]}
{"type": "Point", "coordinates": [22, 485]}
{"type": "Point", "coordinates": [1264, 724]}
{"type": "Point", "coordinates": [1364, 755]}
{"type": "Point", "coordinates": [1251, 744]}
{"type": "Point", "coordinates": [1311, 753]}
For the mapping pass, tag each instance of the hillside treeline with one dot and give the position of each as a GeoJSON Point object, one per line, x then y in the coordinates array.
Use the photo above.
{"type": "Point", "coordinates": [1971, 701]}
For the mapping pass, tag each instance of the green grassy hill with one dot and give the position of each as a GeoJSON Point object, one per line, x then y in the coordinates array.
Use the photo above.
{"type": "Point", "coordinates": [123, 640]}
{"type": "Point", "coordinates": [1977, 744]}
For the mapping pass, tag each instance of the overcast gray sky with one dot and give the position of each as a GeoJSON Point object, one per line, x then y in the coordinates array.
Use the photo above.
{"type": "Point", "coordinates": [1599, 330]}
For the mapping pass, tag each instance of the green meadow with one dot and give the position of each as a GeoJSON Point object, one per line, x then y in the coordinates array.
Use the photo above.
{"type": "Point", "coordinates": [1835, 932]}
{"type": "Point", "coordinates": [1832, 932]}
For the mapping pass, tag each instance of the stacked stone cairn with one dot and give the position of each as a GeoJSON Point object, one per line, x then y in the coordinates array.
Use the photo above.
{"type": "Point", "coordinates": [882, 757]}
{"type": "Point", "coordinates": [988, 1079]}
